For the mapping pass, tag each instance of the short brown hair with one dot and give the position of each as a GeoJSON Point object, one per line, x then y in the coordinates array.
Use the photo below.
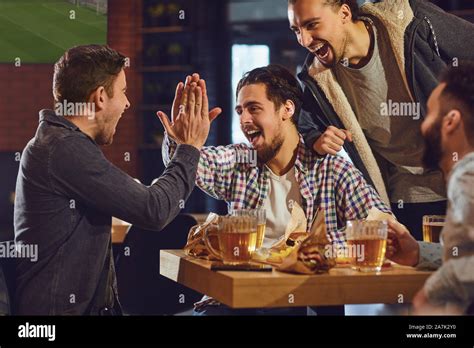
{"type": "Point", "coordinates": [82, 69]}
{"type": "Point", "coordinates": [353, 5]}
{"type": "Point", "coordinates": [280, 85]}
{"type": "Point", "coordinates": [459, 93]}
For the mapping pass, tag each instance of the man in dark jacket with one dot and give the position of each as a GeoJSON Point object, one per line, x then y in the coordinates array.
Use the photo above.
{"type": "Point", "coordinates": [67, 191]}
{"type": "Point", "coordinates": [367, 78]}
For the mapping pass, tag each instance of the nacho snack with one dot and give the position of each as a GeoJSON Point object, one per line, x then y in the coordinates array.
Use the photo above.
{"type": "Point", "coordinates": [309, 256]}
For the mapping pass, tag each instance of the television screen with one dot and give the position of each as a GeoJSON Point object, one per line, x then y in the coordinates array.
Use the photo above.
{"type": "Point", "coordinates": [39, 31]}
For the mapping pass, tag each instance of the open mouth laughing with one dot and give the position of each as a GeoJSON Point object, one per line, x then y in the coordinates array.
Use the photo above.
{"type": "Point", "coordinates": [255, 136]}
{"type": "Point", "coordinates": [322, 51]}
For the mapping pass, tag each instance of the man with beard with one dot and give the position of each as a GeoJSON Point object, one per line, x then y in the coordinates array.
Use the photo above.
{"type": "Point", "coordinates": [67, 191]}
{"type": "Point", "coordinates": [448, 130]}
{"type": "Point", "coordinates": [285, 172]}
{"type": "Point", "coordinates": [368, 75]}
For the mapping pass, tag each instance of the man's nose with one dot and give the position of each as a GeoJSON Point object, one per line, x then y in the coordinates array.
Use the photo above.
{"type": "Point", "coordinates": [305, 39]}
{"type": "Point", "coordinates": [245, 118]}
{"type": "Point", "coordinates": [127, 105]}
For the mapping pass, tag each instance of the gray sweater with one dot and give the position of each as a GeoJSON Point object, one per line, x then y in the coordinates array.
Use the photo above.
{"type": "Point", "coordinates": [453, 282]}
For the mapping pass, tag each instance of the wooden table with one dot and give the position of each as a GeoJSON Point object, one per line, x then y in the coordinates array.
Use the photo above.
{"type": "Point", "coordinates": [276, 289]}
{"type": "Point", "coordinates": [119, 232]}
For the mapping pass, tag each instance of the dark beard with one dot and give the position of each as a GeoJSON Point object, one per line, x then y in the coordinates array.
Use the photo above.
{"type": "Point", "coordinates": [433, 153]}
{"type": "Point", "coordinates": [268, 152]}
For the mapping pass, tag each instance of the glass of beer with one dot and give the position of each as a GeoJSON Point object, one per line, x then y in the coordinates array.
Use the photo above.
{"type": "Point", "coordinates": [260, 215]}
{"type": "Point", "coordinates": [237, 239]}
{"type": "Point", "coordinates": [432, 227]}
{"type": "Point", "coordinates": [367, 242]}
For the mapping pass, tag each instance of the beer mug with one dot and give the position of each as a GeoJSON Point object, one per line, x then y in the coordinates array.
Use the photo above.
{"type": "Point", "coordinates": [260, 214]}
{"type": "Point", "coordinates": [367, 242]}
{"type": "Point", "coordinates": [237, 239]}
{"type": "Point", "coordinates": [432, 227]}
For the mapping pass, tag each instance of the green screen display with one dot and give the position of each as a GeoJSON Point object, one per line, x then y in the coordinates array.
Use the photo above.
{"type": "Point", "coordinates": [39, 31]}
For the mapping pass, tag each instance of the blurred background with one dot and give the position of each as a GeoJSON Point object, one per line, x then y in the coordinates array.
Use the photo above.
{"type": "Point", "coordinates": [164, 40]}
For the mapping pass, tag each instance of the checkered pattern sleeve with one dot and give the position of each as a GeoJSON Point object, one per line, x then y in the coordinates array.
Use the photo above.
{"type": "Point", "coordinates": [354, 196]}
{"type": "Point", "coordinates": [215, 169]}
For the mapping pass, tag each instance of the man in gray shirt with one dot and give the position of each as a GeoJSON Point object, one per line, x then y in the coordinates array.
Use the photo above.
{"type": "Point", "coordinates": [449, 137]}
{"type": "Point", "coordinates": [67, 191]}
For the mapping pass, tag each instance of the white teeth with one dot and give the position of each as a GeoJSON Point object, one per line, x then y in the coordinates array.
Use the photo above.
{"type": "Point", "coordinates": [318, 47]}
{"type": "Point", "coordinates": [252, 132]}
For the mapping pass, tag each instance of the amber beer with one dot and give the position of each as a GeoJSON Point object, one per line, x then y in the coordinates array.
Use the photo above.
{"type": "Point", "coordinates": [237, 247]}
{"type": "Point", "coordinates": [367, 254]}
{"type": "Point", "coordinates": [432, 227]}
{"type": "Point", "coordinates": [260, 234]}
{"type": "Point", "coordinates": [260, 215]}
{"type": "Point", "coordinates": [367, 243]}
{"type": "Point", "coordinates": [237, 239]}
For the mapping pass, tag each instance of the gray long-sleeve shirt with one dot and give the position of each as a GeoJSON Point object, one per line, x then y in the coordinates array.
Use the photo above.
{"type": "Point", "coordinates": [453, 282]}
{"type": "Point", "coordinates": [66, 194]}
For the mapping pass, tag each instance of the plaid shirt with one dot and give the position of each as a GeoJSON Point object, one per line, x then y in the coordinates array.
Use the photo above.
{"type": "Point", "coordinates": [326, 182]}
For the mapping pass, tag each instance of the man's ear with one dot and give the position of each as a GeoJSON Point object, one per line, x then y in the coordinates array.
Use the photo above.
{"type": "Point", "coordinates": [99, 98]}
{"type": "Point", "coordinates": [452, 121]}
{"type": "Point", "coordinates": [345, 13]}
{"type": "Point", "coordinates": [289, 109]}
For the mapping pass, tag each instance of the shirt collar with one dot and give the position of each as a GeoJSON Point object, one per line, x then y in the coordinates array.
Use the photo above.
{"type": "Point", "coordinates": [305, 157]}
{"type": "Point", "coordinates": [50, 116]}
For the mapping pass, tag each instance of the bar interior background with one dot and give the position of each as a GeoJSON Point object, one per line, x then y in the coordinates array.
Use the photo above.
{"type": "Point", "coordinates": [220, 39]}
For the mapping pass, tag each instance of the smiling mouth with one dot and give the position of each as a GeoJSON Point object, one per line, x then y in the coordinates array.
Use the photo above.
{"type": "Point", "coordinates": [253, 135]}
{"type": "Point", "coordinates": [321, 50]}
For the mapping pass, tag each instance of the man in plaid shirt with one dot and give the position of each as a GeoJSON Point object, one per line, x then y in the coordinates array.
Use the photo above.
{"type": "Point", "coordinates": [240, 173]}
{"type": "Point", "coordinates": [277, 169]}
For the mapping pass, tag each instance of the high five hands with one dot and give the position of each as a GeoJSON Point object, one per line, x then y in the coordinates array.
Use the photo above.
{"type": "Point", "coordinates": [191, 119]}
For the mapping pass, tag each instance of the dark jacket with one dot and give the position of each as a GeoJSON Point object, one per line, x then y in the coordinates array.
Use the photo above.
{"type": "Point", "coordinates": [424, 42]}
{"type": "Point", "coordinates": [4, 297]}
{"type": "Point", "coordinates": [66, 195]}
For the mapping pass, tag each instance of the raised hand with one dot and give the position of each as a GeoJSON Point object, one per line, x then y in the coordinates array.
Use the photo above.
{"type": "Point", "coordinates": [190, 116]}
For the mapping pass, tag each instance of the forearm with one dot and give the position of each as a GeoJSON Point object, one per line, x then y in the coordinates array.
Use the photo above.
{"type": "Point", "coordinates": [88, 177]}
{"type": "Point", "coordinates": [173, 187]}
{"type": "Point", "coordinates": [214, 171]}
{"type": "Point", "coordinates": [430, 255]}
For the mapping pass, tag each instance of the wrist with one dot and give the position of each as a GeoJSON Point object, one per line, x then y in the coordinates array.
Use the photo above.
{"type": "Point", "coordinates": [416, 256]}
{"type": "Point", "coordinates": [316, 148]}
{"type": "Point", "coordinates": [195, 145]}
